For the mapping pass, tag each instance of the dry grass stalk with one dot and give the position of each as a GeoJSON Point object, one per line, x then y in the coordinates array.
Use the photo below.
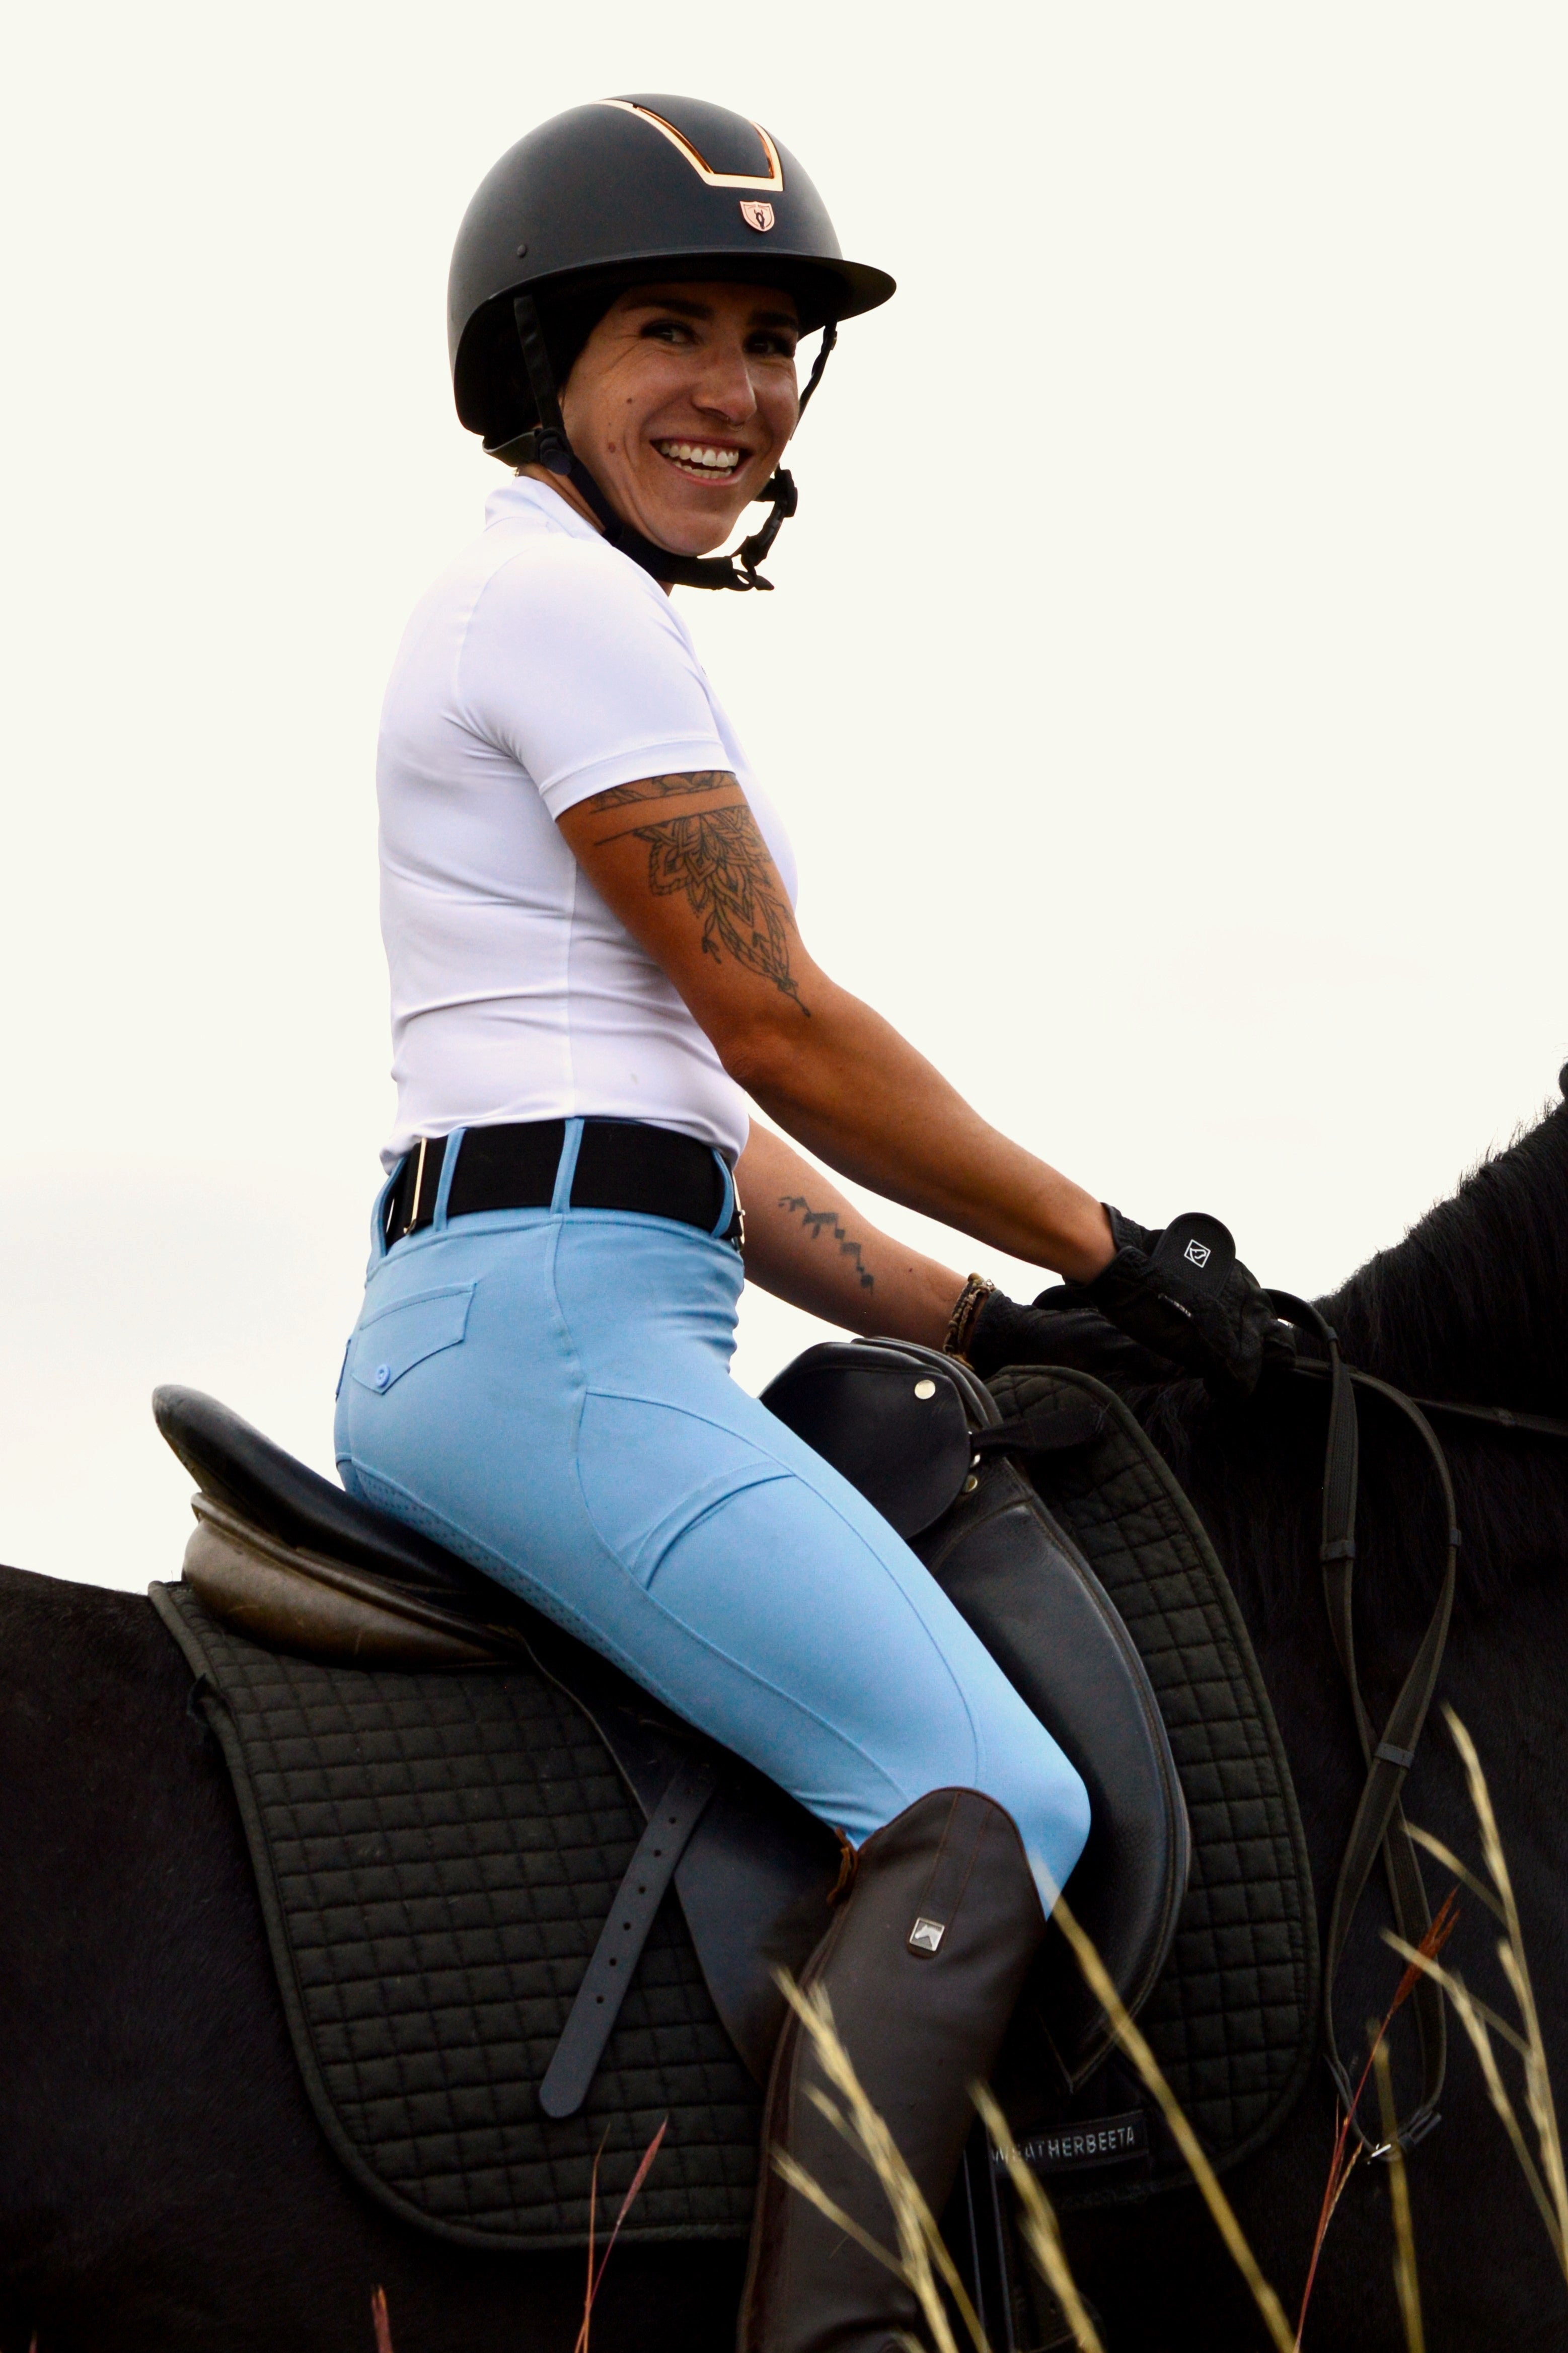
{"type": "Point", "coordinates": [597, 2277]}
{"type": "Point", "coordinates": [1203, 2172]}
{"type": "Point", "coordinates": [1399, 2198]}
{"type": "Point", "coordinates": [1342, 2163]}
{"type": "Point", "coordinates": [921, 2257]}
{"type": "Point", "coordinates": [1543, 2168]}
{"type": "Point", "coordinates": [378, 2314]}
{"type": "Point", "coordinates": [1042, 2234]}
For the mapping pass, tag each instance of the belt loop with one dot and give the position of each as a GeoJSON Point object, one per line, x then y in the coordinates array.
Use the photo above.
{"type": "Point", "coordinates": [726, 1217]}
{"type": "Point", "coordinates": [566, 1168]}
{"type": "Point", "coordinates": [378, 1217]}
{"type": "Point", "coordinates": [444, 1185]}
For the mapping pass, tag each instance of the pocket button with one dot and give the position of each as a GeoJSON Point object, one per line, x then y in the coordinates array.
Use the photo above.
{"type": "Point", "coordinates": [382, 1376]}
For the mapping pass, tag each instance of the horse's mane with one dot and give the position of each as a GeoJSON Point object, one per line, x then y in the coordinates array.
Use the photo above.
{"type": "Point", "coordinates": [1472, 1306]}
{"type": "Point", "coordinates": [1473, 1303]}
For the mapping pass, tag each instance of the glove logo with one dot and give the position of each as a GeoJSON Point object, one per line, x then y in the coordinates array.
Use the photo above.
{"type": "Point", "coordinates": [756, 216]}
{"type": "Point", "coordinates": [1198, 1254]}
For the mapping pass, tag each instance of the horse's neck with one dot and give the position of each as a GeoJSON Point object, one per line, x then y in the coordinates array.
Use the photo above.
{"type": "Point", "coordinates": [1473, 1303]}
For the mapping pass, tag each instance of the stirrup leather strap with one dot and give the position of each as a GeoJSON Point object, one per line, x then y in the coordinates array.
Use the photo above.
{"type": "Point", "coordinates": [576, 2056]}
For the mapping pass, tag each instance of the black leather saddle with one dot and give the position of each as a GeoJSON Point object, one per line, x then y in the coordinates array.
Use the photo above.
{"type": "Point", "coordinates": [283, 1557]}
{"type": "Point", "coordinates": [922, 1438]}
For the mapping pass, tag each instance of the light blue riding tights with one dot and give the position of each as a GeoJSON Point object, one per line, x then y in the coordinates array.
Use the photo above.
{"type": "Point", "coordinates": [548, 1394]}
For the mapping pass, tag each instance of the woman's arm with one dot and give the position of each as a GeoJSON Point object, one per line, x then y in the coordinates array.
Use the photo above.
{"type": "Point", "coordinates": [681, 861]}
{"type": "Point", "coordinates": [806, 1243]}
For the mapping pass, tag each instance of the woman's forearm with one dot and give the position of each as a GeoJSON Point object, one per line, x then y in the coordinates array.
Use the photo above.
{"type": "Point", "coordinates": [680, 860]}
{"type": "Point", "coordinates": [858, 1095]}
{"type": "Point", "coordinates": [807, 1244]}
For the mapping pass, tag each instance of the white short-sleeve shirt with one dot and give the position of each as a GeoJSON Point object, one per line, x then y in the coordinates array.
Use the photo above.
{"type": "Point", "coordinates": [542, 667]}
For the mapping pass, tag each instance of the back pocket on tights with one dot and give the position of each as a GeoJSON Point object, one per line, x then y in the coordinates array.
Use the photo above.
{"type": "Point", "coordinates": [394, 1339]}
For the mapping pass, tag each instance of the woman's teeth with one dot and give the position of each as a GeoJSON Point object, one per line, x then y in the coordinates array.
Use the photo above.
{"type": "Point", "coordinates": [699, 460]}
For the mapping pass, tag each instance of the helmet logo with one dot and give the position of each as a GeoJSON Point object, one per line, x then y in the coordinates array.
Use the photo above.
{"type": "Point", "coordinates": [756, 216]}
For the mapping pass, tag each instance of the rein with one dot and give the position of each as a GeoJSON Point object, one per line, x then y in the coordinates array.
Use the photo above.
{"type": "Point", "coordinates": [1380, 1825]}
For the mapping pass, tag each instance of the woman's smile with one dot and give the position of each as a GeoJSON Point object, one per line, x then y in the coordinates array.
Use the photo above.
{"type": "Point", "coordinates": [704, 462]}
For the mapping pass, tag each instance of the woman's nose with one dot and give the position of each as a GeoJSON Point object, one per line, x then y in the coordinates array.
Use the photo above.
{"type": "Point", "coordinates": [725, 387]}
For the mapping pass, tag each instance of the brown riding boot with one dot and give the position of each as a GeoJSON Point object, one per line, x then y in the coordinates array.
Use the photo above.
{"type": "Point", "coordinates": [923, 1966]}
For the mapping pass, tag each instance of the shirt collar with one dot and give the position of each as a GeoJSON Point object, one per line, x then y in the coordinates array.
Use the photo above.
{"type": "Point", "coordinates": [524, 496]}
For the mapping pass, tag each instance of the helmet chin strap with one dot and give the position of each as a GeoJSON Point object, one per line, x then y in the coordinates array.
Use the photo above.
{"type": "Point", "coordinates": [547, 445]}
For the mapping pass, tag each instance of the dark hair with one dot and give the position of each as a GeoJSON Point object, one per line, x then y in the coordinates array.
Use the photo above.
{"type": "Point", "coordinates": [568, 322]}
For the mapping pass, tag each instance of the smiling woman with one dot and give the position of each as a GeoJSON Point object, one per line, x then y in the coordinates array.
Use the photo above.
{"type": "Point", "coordinates": [588, 906]}
{"type": "Point", "coordinates": [676, 387]}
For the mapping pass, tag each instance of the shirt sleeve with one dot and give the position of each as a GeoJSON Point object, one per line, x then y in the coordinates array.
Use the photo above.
{"type": "Point", "coordinates": [573, 663]}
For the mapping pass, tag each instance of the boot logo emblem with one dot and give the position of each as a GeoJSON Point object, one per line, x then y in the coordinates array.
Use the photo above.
{"type": "Point", "coordinates": [927, 1935]}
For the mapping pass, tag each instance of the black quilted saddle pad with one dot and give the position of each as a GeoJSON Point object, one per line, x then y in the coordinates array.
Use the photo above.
{"type": "Point", "coordinates": [1233, 2019]}
{"type": "Point", "coordinates": [436, 1854]}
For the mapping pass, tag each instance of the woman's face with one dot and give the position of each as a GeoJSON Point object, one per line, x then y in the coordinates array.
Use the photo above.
{"type": "Point", "coordinates": [680, 403]}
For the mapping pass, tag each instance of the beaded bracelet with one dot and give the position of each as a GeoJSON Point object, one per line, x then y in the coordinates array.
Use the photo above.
{"type": "Point", "coordinates": [966, 1307]}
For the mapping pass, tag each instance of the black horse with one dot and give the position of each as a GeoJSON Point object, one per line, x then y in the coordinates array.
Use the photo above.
{"type": "Point", "coordinates": [165, 2186]}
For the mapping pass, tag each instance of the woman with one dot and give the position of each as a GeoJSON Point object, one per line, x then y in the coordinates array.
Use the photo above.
{"type": "Point", "coordinates": [587, 907]}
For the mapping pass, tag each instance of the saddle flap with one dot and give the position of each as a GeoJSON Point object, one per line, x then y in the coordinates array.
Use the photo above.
{"type": "Point", "coordinates": [1232, 2018]}
{"type": "Point", "coordinates": [929, 1446]}
{"type": "Point", "coordinates": [892, 1421]}
{"type": "Point", "coordinates": [1026, 1589]}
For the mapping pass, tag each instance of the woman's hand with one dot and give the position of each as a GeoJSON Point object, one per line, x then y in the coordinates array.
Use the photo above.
{"type": "Point", "coordinates": [1177, 1300]}
{"type": "Point", "coordinates": [682, 863]}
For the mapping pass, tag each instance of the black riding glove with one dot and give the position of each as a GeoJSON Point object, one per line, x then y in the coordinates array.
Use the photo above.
{"type": "Point", "coordinates": [1060, 1328]}
{"type": "Point", "coordinates": [1186, 1294]}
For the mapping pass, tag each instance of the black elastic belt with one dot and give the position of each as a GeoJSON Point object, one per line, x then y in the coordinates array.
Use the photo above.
{"type": "Point", "coordinates": [621, 1164]}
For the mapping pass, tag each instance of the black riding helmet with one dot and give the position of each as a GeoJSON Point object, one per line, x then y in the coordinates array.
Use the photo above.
{"type": "Point", "coordinates": [606, 196]}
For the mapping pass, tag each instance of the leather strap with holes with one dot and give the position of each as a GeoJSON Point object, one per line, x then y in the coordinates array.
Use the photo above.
{"type": "Point", "coordinates": [588, 2027]}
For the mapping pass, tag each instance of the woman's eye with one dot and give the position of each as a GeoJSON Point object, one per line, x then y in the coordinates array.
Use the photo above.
{"type": "Point", "coordinates": [668, 331]}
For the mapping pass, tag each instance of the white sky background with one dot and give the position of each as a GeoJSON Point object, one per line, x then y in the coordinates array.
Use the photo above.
{"type": "Point", "coordinates": [1164, 682]}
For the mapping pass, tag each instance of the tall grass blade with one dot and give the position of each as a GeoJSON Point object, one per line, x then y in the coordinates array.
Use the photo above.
{"type": "Point", "coordinates": [1042, 2234]}
{"type": "Point", "coordinates": [1462, 1872]}
{"type": "Point", "coordinates": [596, 2278]}
{"type": "Point", "coordinates": [1543, 2170]}
{"type": "Point", "coordinates": [1405, 2279]}
{"type": "Point", "coordinates": [377, 2314]}
{"type": "Point", "coordinates": [588, 2293]}
{"type": "Point", "coordinates": [1203, 2172]}
{"type": "Point", "coordinates": [921, 2259]}
{"type": "Point", "coordinates": [1471, 2017]}
{"type": "Point", "coordinates": [1341, 2167]}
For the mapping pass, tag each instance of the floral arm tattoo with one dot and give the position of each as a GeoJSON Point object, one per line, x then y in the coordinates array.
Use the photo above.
{"type": "Point", "coordinates": [718, 861]}
{"type": "Point", "coordinates": [817, 1220]}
